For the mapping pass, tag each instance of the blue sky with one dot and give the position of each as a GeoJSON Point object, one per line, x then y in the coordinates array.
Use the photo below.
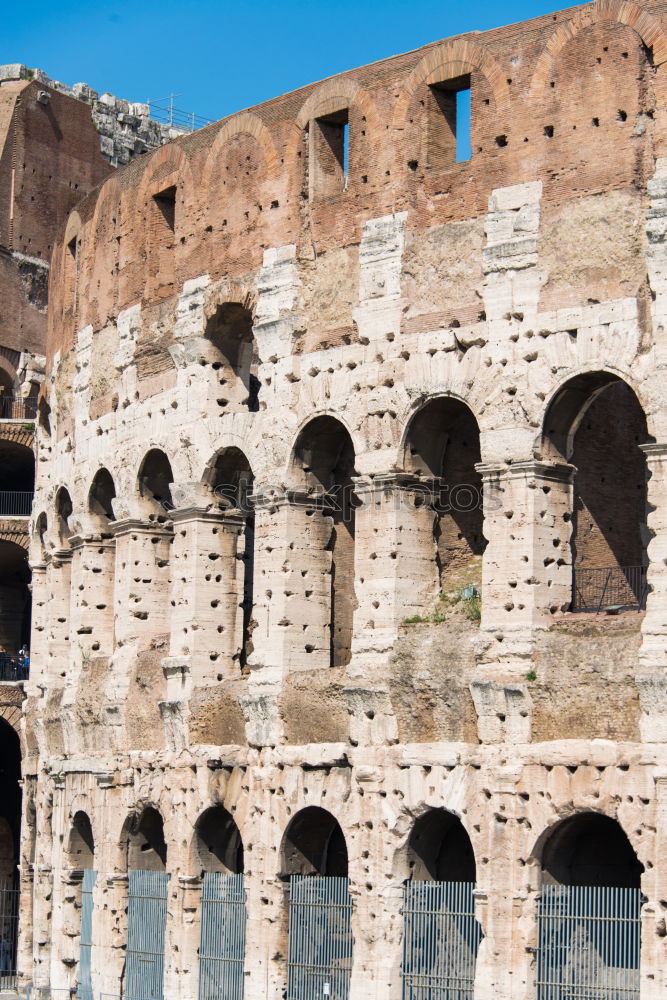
{"type": "Point", "coordinates": [221, 56]}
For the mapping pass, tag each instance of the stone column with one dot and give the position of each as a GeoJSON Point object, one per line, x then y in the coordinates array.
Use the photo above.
{"type": "Point", "coordinates": [653, 964]}
{"type": "Point", "coordinates": [91, 609]}
{"type": "Point", "coordinates": [207, 592]}
{"type": "Point", "coordinates": [182, 972]}
{"type": "Point", "coordinates": [40, 621]}
{"type": "Point", "coordinates": [527, 570]}
{"type": "Point", "coordinates": [142, 580]}
{"type": "Point", "coordinates": [59, 572]}
{"type": "Point", "coordinates": [395, 569]}
{"type": "Point", "coordinates": [653, 652]}
{"type": "Point", "coordinates": [292, 585]}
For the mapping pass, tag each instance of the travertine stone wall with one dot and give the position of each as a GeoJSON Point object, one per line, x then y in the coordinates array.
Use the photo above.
{"type": "Point", "coordinates": [525, 288]}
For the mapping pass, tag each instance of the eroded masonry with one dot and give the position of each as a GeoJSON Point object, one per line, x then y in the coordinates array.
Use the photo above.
{"type": "Point", "coordinates": [349, 548]}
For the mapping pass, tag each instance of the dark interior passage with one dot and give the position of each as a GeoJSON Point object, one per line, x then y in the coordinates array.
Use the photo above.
{"type": "Point", "coordinates": [314, 844]}
{"type": "Point", "coordinates": [440, 849]}
{"type": "Point", "coordinates": [218, 842]}
{"type": "Point", "coordinates": [590, 849]}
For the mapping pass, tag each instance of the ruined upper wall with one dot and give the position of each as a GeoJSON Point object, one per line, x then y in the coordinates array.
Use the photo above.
{"type": "Point", "coordinates": [574, 99]}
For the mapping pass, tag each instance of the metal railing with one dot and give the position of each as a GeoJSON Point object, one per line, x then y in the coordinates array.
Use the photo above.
{"type": "Point", "coordinates": [222, 940]}
{"type": "Point", "coordinates": [441, 938]}
{"type": "Point", "coordinates": [614, 586]}
{"type": "Point", "coordinates": [319, 958]}
{"type": "Point", "coordinates": [14, 668]}
{"type": "Point", "coordinates": [9, 926]}
{"type": "Point", "coordinates": [588, 943]}
{"type": "Point", "coordinates": [85, 982]}
{"type": "Point", "coordinates": [12, 408]}
{"type": "Point", "coordinates": [164, 112]}
{"type": "Point", "coordinates": [16, 503]}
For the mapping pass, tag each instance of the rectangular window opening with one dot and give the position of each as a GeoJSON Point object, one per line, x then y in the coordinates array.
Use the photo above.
{"type": "Point", "coordinates": [166, 203]}
{"type": "Point", "coordinates": [450, 122]}
{"type": "Point", "coordinates": [330, 153]}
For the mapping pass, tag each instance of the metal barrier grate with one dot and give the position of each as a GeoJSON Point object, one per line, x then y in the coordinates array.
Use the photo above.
{"type": "Point", "coordinates": [16, 503]}
{"type": "Point", "coordinates": [146, 922]}
{"type": "Point", "coordinates": [85, 983]}
{"type": "Point", "coordinates": [14, 668]}
{"type": "Point", "coordinates": [588, 943]}
{"type": "Point", "coordinates": [9, 926]}
{"type": "Point", "coordinates": [441, 938]}
{"type": "Point", "coordinates": [222, 942]}
{"type": "Point", "coordinates": [319, 961]}
{"type": "Point", "coordinates": [595, 589]}
{"type": "Point", "coordinates": [12, 408]}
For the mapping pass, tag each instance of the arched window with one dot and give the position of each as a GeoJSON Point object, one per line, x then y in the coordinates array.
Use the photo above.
{"type": "Point", "coordinates": [315, 860]}
{"type": "Point", "coordinates": [324, 466]}
{"type": "Point", "coordinates": [442, 449]}
{"type": "Point", "coordinates": [596, 423]}
{"type": "Point", "coordinates": [63, 513]}
{"type": "Point", "coordinates": [102, 493]}
{"type": "Point", "coordinates": [146, 848]}
{"type": "Point", "coordinates": [155, 479]}
{"type": "Point", "coordinates": [441, 936]}
{"type": "Point", "coordinates": [589, 927]}
{"type": "Point", "coordinates": [81, 846]}
{"type": "Point", "coordinates": [219, 851]}
{"type": "Point", "coordinates": [234, 357]}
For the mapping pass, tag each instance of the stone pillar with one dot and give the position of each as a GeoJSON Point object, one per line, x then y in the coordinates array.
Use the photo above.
{"type": "Point", "coordinates": [395, 566]}
{"type": "Point", "coordinates": [653, 964]}
{"type": "Point", "coordinates": [26, 950]}
{"type": "Point", "coordinates": [207, 592]}
{"type": "Point", "coordinates": [41, 615]}
{"type": "Point", "coordinates": [59, 572]}
{"type": "Point", "coordinates": [91, 609]}
{"type": "Point", "coordinates": [527, 570]}
{"type": "Point", "coordinates": [653, 652]}
{"type": "Point", "coordinates": [109, 932]}
{"type": "Point", "coordinates": [182, 972]}
{"type": "Point", "coordinates": [142, 580]}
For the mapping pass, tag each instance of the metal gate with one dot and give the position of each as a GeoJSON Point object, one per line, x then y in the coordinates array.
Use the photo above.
{"type": "Point", "coordinates": [441, 938]}
{"type": "Point", "coordinates": [588, 943]}
{"type": "Point", "coordinates": [85, 984]}
{"type": "Point", "coordinates": [9, 928]}
{"type": "Point", "coordinates": [222, 942]}
{"type": "Point", "coordinates": [319, 960]}
{"type": "Point", "coordinates": [146, 921]}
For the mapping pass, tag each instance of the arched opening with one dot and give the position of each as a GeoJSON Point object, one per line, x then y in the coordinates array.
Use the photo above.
{"type": "Point", "coordinates": [440, 850]}
{"type": "Point", "coordinates": [17, 482]}
{"type": "Point", "coordinates": [596, 423]}
{"type": "Point", "coordinates": [155, 479]}
{"type": "Point", "coordinates": [147, 905]}
{"type": "Point", "coordinates": [146, 847]}
{"type": "Point", "coordinates": [219, 853]}
{"type": "Point", "coordinates": [314, 844]}
{"type": "Point", "coordinates": [218, 842]}
{"type": "Point", "coordinates": [324, 463]}
{"type": "Point", "coordinates": [101, 496]}
{"type": "Point", "coordinates": [441, 936]}
{"type": "Point", "coordinates": [10, 838]}
{"type": "Point", "coordinates": [589, 926]}
{"type": "Point", "coordinates": [231, 481]}
{"type": "Point", "coordinates": [81, 846]}
{"type": "Point", "coordinates": [81, 859]}
{"type": "Point", "coordinates": [314, 857]}
{"type": "Point", "coordinates": [63, 513]}
{"type": "Point", "coordinates": [15, 611]}
{"type": "Point", "coordinates": [442, 449]}
{"type": "Point", "coordinates": [235, 359]}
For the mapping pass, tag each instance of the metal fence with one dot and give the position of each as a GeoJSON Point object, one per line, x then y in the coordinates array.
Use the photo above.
{"type": "Point", "coordinates": [595, 589]}
{"type": "Point", "coordinates": [588, 943]}
{"type": "Point", "coordinates": [14, 668]}
{"type": "Point", "coordinates": [15, 503]}
{"type": "Point", "coordinates": [319, 959]}
{"type": "Point", "coordinates": [146, 922]}
{"type": "Point", "coordinates": [222, 941]}
{"type": "Point", "coordinates": [17, 409]}
{"type": "Point", "coordinates": [441, 938]}
{"type": "Point", "coordinates": [85, 983]}
{"type": "Point", "coordinates": [9, 927]}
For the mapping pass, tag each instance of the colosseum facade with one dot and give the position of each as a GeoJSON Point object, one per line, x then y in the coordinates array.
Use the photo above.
{"type": "Point", "coordinates": [349, 545]}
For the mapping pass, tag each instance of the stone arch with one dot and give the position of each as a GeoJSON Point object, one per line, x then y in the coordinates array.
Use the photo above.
{"type": "Point", "coordinates": [625, 12]}
{"type": "Point", "coordinates": [246, 123]}
{"type": "Point", "coordinates": [329, 96]}
{"type": "Point", "coordinates": [154, 481]}
{"type": "Point", "coordinates": [81, 842]}
{"type": "Point", "coordinates": [12, 715]}
{"type": "Point", "coordinates": [233, 355]}
{"type": "Point", "coordinates": [101, 495]}
{"type": "Point", "coordinates": [446, 62]}
{"type": "Point", "coordinates": [440, 849]}
{"type": "Point", "coordinates": [588, 848]}
{"type": "Point", "coordinates": [217, 845]}
{"type": "Point", "coordinates": [328, 412]}
{"type": "Point", "coordinates": [63, 509]}
{"type": "Point", "coordinates": [314, 844]}
{"type": "Point", "coordinates": [143, 841]}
